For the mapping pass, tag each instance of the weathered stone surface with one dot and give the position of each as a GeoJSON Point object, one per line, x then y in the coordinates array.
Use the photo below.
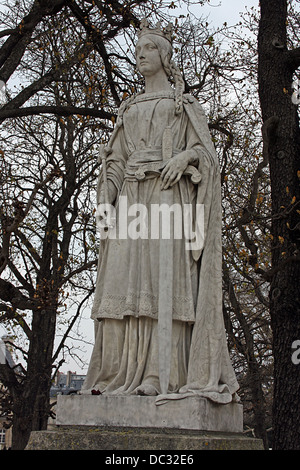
{"type": "Point", "coordinates": [119, 439]}
{"type": "Point", "coordinates": [195, 413]}
{"type": "Point", "coordinates": [122, 423]}
{"type": "Point", "coordinates": [161, 327]}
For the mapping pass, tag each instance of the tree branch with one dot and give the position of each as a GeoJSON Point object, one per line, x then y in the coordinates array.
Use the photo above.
{"type": "Point", "coordinates": [11, 224]}
{"type": "Point", "coordinates": [68, 330]}
{"type": "Point", "coordinates": [84, 267]}
{"type": "Point", "coordinates": [228, 144]}
{"type": "Point", "coordinates": [58, 110]}
{"type": "Point", "coordinates": [97, 39]}
{"type": "Point", "coordinates": [9, 379]}
{"type": "Point", "coordinates": [14, 47]}
{"type": "Point", "coordinates": [10, 293]}
{"type": "Point", "coordinates": [293, 57]}
{"type": "Point", "coordinates": [7, 32]}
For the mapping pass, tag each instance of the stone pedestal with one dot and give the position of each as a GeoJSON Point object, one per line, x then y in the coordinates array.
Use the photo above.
{"type": "Point", "coordinates": [194, 413]}
{"type": "Point", "coordinates": [135, 423]}
{"type": "Point", "coordinates": [151, 441]}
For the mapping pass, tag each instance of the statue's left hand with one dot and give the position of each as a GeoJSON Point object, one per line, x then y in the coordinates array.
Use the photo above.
{"type": "Point", "coordinates": [173, 170]}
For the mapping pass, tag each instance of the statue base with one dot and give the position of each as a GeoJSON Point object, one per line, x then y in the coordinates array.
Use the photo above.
{"type": "Point", "coordinates": [138, 439]}
{"type": "Point", "coordinates": [195, 413]}
{"type": "Point", "coordinates": [99, 422]}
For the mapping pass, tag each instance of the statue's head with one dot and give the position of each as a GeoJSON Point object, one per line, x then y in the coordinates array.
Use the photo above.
{"type": "Point", "coordinates": [153, 53]}
{"type": "Point", "coordinates": [158, 41]}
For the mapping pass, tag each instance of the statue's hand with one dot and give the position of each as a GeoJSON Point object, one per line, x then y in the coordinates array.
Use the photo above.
{"type": "Point", "coordinates": [173, 170]}
{"type": "Point", "coordinates": [105, 214]}
{"type": "Point", "coordinates": [112, 193]}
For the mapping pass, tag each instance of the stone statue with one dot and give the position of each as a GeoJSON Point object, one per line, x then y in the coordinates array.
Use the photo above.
{"type": "Point", "coordinates": [159, 327]}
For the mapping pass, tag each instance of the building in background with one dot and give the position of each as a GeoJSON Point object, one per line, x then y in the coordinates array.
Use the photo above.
{"type": "Point", "coordinates": [66, 384]}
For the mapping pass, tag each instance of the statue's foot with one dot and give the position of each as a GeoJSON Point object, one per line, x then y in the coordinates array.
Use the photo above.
{"type": "Point", "coordinates": [148, 390]}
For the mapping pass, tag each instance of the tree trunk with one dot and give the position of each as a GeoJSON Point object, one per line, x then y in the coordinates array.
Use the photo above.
{"type": "Point", "coordinates": [31, 406]}
{"type": "Point", "coordinates": [282, 144]}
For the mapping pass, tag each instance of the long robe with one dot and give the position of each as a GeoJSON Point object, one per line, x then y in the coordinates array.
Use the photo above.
{"type": "Point", "coordinates": [125, 310]}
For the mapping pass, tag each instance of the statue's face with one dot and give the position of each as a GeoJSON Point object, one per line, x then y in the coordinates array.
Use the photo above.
{"type": "Point", "coordinates": [147, 57]}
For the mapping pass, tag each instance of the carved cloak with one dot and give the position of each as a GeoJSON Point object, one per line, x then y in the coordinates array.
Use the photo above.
{"type": "Point", "coordinates": [209, 372]}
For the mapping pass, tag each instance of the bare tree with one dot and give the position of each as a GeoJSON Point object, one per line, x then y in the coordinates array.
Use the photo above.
{"type": "Point", "coordinates": [278, 61]}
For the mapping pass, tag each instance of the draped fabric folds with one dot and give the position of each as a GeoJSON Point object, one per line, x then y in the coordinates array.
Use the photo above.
{"type": "Point", "coordinates": [125, 310]}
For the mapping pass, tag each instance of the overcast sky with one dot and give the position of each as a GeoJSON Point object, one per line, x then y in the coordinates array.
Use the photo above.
{"type": "Point", "coordinates": [221, 11]}
{"type": "Point", "coordinates": [218, 10]}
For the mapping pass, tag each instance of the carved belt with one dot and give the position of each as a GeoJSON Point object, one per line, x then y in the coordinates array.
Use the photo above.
{"type": "Point", "coordinates": [146, 164]}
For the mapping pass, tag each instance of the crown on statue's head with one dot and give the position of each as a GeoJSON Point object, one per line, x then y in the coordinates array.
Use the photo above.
{"type": "Point", "coordinates": [164, 33]}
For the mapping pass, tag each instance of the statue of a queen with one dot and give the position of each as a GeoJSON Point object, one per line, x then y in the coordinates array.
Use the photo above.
{"type": "Point", "coordinates": [159, 326]}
